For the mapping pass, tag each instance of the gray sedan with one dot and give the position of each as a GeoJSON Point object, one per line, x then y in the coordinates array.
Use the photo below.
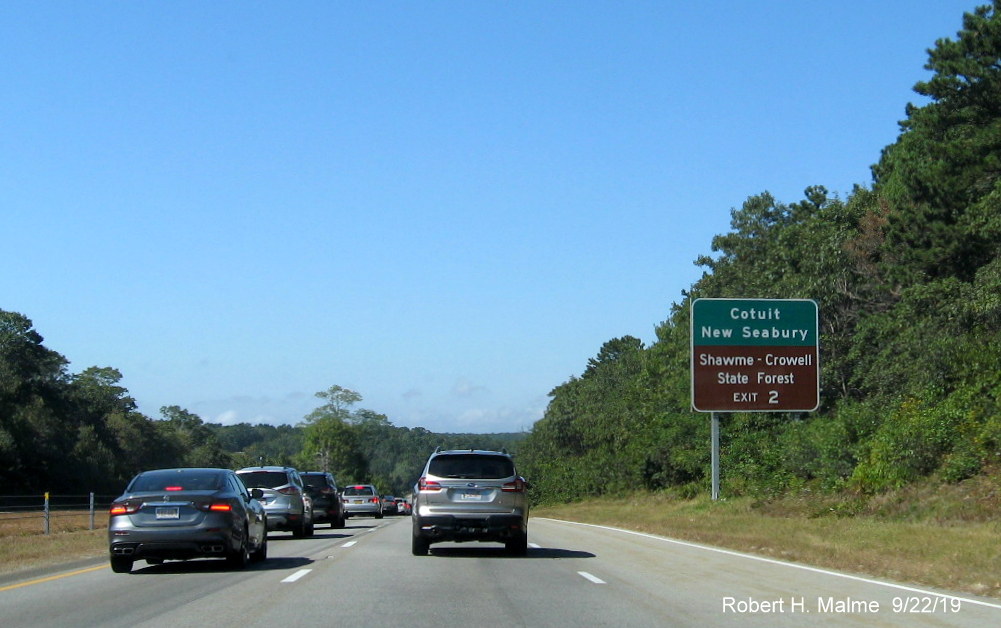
{"type": "Point", "coordinates": [178, 514]}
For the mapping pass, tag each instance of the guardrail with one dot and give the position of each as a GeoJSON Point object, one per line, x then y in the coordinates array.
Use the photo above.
{"type": "Point", "coordinates": [48, 507]}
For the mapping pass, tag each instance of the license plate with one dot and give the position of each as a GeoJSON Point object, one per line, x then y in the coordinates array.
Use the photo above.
{"type": "Point", "coordinates": [470, 497]}
{"type": "Point", "coordinates": [168, 513]}
{"type": "Point", "coordinates": [357, 501]}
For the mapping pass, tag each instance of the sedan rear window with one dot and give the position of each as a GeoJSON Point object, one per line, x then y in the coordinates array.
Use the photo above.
{"type": "Point", "coordinates": [471, 466]}
{"type": "Point", "coordinates": [177, 481]}
{"type": "Point", "coordinates": [263, 479]}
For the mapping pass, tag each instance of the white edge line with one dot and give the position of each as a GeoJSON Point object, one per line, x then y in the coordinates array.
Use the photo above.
{"type": "Point", "coordinates": [591, 577]}
{"type": "Point", "coordinates": [296, 575]}
{"type": "Point", "coordinates": [779, 562]}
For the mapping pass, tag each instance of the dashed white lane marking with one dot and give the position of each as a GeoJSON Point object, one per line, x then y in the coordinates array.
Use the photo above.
{"type": "Point", "coordinates": [297, 575]}
{"type": "Point", "coordinates": [591, 577]}
{"type": "Point", "coordinates": [535, 546]}
{"type": "Point", "coordinates": [349, 543]}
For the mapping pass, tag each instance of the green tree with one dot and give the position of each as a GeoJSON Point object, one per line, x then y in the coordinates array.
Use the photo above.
{"type": "Point", "coordinates": [33, 435]}
{"type": "Point", "coordinates": [941, 177]}
{"type": "Point", "coordinates": [196, 443]}
{"type": "Point", "coordinates": [330, 443]}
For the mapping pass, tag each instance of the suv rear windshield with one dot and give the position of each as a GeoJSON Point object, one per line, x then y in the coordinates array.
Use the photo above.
{"type": "Point", "coordinates": [469, 466]}
{"type": "Point", "coordinates": [359, 490]}
{"type": "Point", "coordinates": [315, 481]}
{"type": "Point", "coordinates": [264, 479]}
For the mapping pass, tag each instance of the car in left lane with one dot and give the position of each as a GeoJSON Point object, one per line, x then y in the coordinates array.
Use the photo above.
{"type": "Point", "coordinates": [180, 514]}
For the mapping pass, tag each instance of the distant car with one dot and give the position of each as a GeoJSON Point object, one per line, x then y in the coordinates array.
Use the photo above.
{"type": "Point", "coordinates": [470, 495]}
{"type": "Point", "coordinates": [327, 505]}
{"type": "Point", "coordinates": [361, 499]}
{"type": "Point", "coordinates": [402, 506]}
{"type": "Point", "coordinates": [389, 505]}
{"type": "Point", "coordinates": [288, 505]}
{"type": "Point", "coordinates": [180, 514]}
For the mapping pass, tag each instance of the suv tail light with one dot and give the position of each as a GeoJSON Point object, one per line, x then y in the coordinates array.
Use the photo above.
{"type": "Point", "coordinates": [518, 486]}
{"type": "Point", "coordinates": [289, 490]}
{"type": "Point", "coordinates": [425, 484]}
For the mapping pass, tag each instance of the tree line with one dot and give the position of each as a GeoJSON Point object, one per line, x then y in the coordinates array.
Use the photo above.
{"type": "Point", "coordinates": [907, 274]}
{"type": "Point", "coordinates": [75, 433]}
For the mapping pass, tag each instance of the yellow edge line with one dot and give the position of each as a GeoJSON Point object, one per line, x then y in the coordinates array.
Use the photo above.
{"type": "Point", "coordinates": [51, 578]}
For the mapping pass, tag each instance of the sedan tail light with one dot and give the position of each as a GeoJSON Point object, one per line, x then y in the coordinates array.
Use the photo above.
{"type": "Point", "coordinates": [212, 506]}
{"type": "Point", "coordinates": [123, 508]}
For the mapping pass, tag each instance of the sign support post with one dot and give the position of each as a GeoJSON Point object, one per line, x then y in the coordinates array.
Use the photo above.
{"type": "Point", "coordinates": [715, 455]}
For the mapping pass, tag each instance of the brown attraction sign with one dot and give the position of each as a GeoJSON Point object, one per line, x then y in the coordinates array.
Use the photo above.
{"type": "Point", "coordinates": [755, 355]}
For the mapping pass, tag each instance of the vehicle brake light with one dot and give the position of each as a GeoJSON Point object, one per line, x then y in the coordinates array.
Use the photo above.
{"type": "Point", "coordinates": [123, 508]}
{"type": "Point", "coordinates": [289, 490]}
{"type": "Point", "coordinates": [374, 500]}
{"type": "Point", "coordinates": [518, 486]}
{"type": "Point", "coordinates": [425, 484]}
{"type": "Point", "coordinates": [173, 488]}
{"type": "Point", "coordinates": [213, 506]}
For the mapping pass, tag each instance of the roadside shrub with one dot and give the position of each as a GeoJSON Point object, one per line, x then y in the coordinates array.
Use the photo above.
{"type": "Point", "coordinates": [911, 443]}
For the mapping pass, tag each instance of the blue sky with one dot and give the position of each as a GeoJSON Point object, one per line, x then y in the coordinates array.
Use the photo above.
{"type": "Point", "coordinates": [447, 207]}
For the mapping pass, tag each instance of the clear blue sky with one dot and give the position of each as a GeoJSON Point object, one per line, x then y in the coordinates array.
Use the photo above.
{"type": "Point", "coordinates": [447, 207]}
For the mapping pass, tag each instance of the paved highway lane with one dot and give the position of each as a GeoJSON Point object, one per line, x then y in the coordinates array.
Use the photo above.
{"type": "Point", "coordinates": [573, 575]}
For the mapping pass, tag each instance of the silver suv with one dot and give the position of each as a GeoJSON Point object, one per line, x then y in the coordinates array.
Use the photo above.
{"type": "Point", "coordinates": [285, 499]}
{"type": "Point", "coordinates": [470, 495]}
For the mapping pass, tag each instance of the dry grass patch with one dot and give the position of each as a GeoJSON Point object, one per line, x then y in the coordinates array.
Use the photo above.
{"type": "Point", "coordinates": [24, 545]}
{"type": "Point", "coordinates": [958, 556]}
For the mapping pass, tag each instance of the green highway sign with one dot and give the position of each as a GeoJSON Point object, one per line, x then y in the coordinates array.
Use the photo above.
{"type": "Point", "coordinates": [755, 355]}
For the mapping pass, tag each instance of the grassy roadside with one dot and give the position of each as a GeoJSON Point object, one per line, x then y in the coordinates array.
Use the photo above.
{"type": "Point", "coordinates": [911, 544]}
{"type": "Point", "coordinates": [23, 546]}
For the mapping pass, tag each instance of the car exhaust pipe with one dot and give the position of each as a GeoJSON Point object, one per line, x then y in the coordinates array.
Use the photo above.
{"type": "Point", "coordinates": [213, 549]}
{"type": "Point", "coordinates": [124, 551]}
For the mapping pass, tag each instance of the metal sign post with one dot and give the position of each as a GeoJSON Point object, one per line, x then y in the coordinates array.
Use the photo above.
{"type": "Point", "coordinates": [715, 455]}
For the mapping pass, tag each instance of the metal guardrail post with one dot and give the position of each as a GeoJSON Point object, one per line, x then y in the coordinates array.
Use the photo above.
{"type": "Point", "coordinates": [46, 513]}
{"type": "Point", "coordinates": [91, 511]}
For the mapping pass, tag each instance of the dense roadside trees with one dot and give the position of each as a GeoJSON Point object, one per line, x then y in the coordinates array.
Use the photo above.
{"type": "Point", "coordinates": [907, 273]}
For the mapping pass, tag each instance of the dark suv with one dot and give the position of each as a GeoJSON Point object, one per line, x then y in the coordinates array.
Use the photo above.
{"type": "Point", "coordinates": [327, 505]}
{"type": "Point", "coordinates": [288, 505]}
{"type": "Point", "coordinates": [470, 495]}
